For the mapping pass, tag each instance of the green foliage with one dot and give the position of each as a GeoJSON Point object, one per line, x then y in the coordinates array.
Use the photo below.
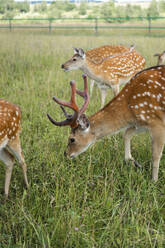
{"type": "Point", "coordinates": [83, 8]}
{"type": "Point", "coordinates": [40, 7]}
{"type": "Point", "coordinates": [6, 5]}
{"type": "Point", "coordinates": [153, 9]}
{"type": "Point", "coordinates": [9, 7]}
{"type": "Point", "coordinates": [9, 14]}
{"type": "Point", "coordinates": [67, 9]}
{"type": "Point", "coordinates": [69, 6]}
{"type": "Point", "coordinates": [23, 7]}
{"type": "Point", "coordinates": [129, 10]}
{"type": "Point", "coordinates": [162, 6]}
{"type": "Point", "coordinates": [108, 9]}
{"type": "Point", "coordinates": [2, 6]}
{"type": "Point", "coordinates": [57, 9]}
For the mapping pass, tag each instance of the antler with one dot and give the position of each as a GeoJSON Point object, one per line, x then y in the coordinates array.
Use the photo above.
{"type": "Point", "coordinates": [84, 94]}
{"type": "Point", "coordinates": [72, 119]}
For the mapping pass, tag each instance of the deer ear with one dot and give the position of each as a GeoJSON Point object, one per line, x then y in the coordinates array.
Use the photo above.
{"type": "Point", "coordinates": [132, 47]}
{"type": "Point", "coordinates": [81, 53]}
{"type": "Point", "coordinates": [83, 122]}
{"type": "Point", "coordinates": [76, 50]}
{"type": "Point", "coordinates": [157, 54]}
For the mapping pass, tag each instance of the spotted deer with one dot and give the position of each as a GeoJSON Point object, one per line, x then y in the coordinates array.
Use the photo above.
{"type": "Point", "coordinates": [97, 55]}
{"type": "Point", "coordinates": [10, 146]}
{"type": "Point", "coordinates": [109, 68]}
{"type": "Point", "coordinates": [138, 107]}
{"type": "Point", "coordinates": [161, 58]}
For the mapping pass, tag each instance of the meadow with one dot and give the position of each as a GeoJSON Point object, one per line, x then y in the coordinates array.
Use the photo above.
{"type": "Point", "coordinates": [96, 200]}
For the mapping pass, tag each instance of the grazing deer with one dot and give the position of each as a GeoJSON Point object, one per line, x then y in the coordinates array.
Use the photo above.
{"type": "Point", "coordinates": [97, 55]}
{"type": "Point", "coordinates": [107, 71]}
{"type": "Point", "coordinates": [10, 146]}
{"type": "Point", "coordinates": [161, 58]}
{"type": "Point", "coordinates": [138, 107]}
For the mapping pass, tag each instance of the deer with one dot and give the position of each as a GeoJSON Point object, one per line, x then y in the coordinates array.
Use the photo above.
{"type": "Point", "coordinates": [161, 58]}
{"type": "Point", "coordinates": [97, 55]}
{"type": "Point", "coordinates": [140, 106]}
{"type": "Point", "coordinates": [10, 145]}
{"type": "Point", "coordinates": [109, 71]}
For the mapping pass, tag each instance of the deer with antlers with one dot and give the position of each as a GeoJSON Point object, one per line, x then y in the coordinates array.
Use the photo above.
{"type": "Point", "coordinates": [161, 58]}
{"type": "Point", "coordinates": [10, 146]}
{"type": "Point", "coordinates": [138, 107]}
{"type": "Point", "coordinates": [108, 69]}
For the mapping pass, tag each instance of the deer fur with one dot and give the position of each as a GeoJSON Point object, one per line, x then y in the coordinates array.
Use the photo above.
{"type": "Point", "coordinates": [140, 106]}
{"type": "Point", "coordinates": [108, 71]}
{"type": "Point", "coordinates": [10, 146]}
{"type": "Point", "coordinates": [161, 58]}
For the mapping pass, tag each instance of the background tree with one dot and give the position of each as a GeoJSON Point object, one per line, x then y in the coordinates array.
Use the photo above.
{"type": "Point", "coordinates": [83, 8]}
{"type": "Point", "coordinates": [108, 9]}
{"type": "Point", "coordinates": [69, 6]}
{"type": "Point", "coordinates": [153, 9]}
{"type": "Point", "coordinates": [2, 6]}
{"type": "Point", "coordinates": [162, 6]}
{"type": "Point", "coordinates": [23, 6]}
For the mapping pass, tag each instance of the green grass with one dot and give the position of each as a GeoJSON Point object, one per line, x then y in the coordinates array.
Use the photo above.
{"type": "Point", "coordinates": [95, 200]}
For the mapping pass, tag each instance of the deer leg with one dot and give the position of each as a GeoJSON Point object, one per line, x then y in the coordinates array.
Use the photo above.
{"type": "Point", "coordinates": [14, 147]}
{"type": "Point", "coordinates": [158, 140]}
{"type": "Point", "coordinates": [8, 160]}
{"type": "Point", "coordinates": [92, 82]}
{"type": "Point", "coordinates": [127, 144]}
{"type": "Point", "coordinates": [116, 89]}
{"type": "Point", "coordinates": [103, 93]}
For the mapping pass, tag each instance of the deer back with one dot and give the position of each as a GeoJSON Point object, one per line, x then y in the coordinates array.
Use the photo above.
{"type": "Point", "coordinates": [145, 95]}
{"type": "Point", "coordinates": [97, 55]}
{"type": "Point", "coordinates": [10, 115]}
{"type": "Point", "coordinates": [117, 67]}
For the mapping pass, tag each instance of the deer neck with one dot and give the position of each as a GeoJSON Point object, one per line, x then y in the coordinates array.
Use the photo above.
{"type": "Point", "coordinates": [90, 69]}
{"type": "Point", "coordinates": [114, 117]}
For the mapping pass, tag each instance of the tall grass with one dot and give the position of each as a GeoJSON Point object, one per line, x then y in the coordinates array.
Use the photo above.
{"type": "Point", "coordinates": [95, 200]}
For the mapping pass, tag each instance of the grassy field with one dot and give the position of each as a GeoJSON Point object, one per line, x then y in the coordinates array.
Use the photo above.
{"type": "Point", "coordinates": [95, 200]}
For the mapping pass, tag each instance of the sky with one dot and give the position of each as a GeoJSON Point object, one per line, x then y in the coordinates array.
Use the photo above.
{"type": "Point", "coordinates": [104, 0]}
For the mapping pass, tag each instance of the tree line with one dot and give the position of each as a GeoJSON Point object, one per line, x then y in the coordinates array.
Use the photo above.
{"type": "Point", "coordinates": [59, 9]}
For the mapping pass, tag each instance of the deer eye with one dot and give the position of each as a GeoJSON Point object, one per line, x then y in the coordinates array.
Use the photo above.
{"type": "Point", "coordinates": [74, 59]}
{"type": "Point", "coordinates": [72, 140]}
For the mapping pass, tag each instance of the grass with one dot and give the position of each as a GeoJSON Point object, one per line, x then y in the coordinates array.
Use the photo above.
{"type": "Point", "coordinates": [95, 200]}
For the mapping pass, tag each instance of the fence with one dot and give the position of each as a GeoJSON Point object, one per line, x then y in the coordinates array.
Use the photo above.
{"type": "Point", "coordinates": [95, 24]}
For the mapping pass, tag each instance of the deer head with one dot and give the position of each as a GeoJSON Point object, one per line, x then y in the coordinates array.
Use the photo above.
{"type": "Point", "coordinates": [76, 62]}
{"type": "Point", "coordinates": [81, 136]}
{"type": "Point", "coordinates": [161, 58]}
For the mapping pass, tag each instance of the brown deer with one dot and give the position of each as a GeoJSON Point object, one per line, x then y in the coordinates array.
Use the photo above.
{"type": "Point", "coordinates": [138, 107]}
{"type": "Point", "coordinates": [108, 71]}
{"type": "Point", "coordinates": [97, 55]}
{"type": "Point", "coordinates": [161, 58]}
{"type": "Point", "coordinates": [10, 146]}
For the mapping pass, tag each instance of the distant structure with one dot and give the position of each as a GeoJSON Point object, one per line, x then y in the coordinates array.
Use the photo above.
{"type": "Point", "coordinates": [89, 1]}
{"type": "Point", "coordinates": [71, 1]}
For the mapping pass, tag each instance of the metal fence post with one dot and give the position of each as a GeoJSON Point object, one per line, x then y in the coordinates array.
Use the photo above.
{"type": "Point", "coordinates": [50, 25]}
{"type": "Point", "coordinates": [10, 26]}
{"type": "Point", "coordinates": [96, 25]}
{"type": "Point", "coordinates": [149, 23]}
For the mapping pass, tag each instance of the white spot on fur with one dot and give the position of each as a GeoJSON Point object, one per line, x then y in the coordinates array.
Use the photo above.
{"type": "Point", "coordinates": [142, 117]}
